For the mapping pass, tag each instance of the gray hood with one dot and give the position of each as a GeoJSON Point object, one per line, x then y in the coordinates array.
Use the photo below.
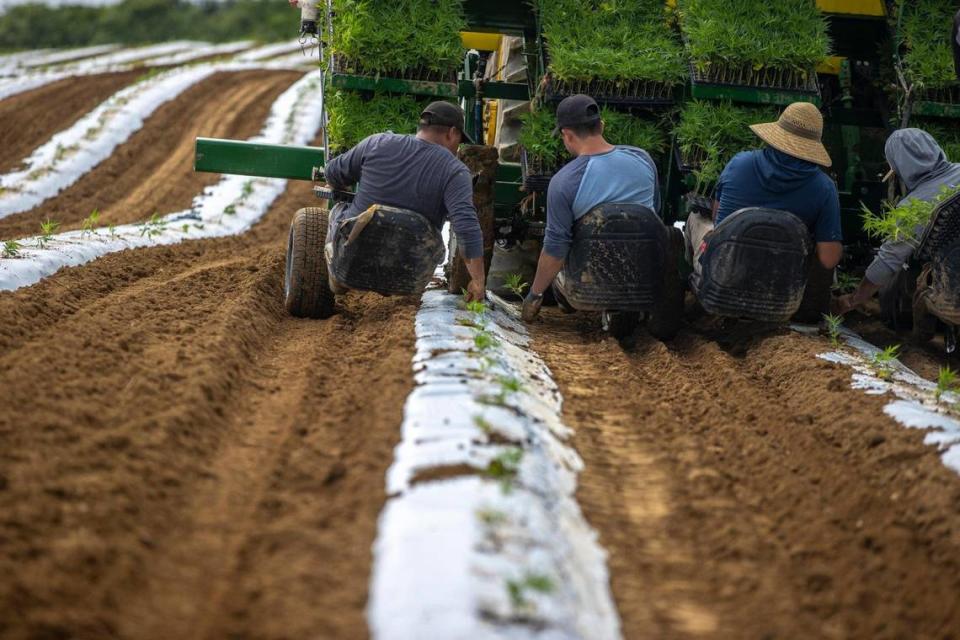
{"type": "Point", "coordinates": [920, 163]}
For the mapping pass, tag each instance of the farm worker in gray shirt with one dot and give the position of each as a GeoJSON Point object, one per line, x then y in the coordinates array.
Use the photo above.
{"type": "Point", "coordinates": [599, 173]}
{"type": "Point", "coordinates": [420, 173]}
{"type": "Point", "coordinates": [916, 158]}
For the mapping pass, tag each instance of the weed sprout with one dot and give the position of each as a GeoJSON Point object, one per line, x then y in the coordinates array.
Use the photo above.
{"type": "Point", "coordinates": [516, 284]}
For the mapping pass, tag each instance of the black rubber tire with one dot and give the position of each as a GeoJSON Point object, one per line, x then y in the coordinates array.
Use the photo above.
{"type": "Point", "coordinates": [306, 288]}
{"type": "Point", "coordinates": [924, 324]}
{"type": "Point", "coordinates": [456, 269]}
{"type": "Point", "coordinates": [896, 303]}
{"type": "Point", "coordinates": [667, 313]}
{"type": "Point", "coordinates": [621, 324]}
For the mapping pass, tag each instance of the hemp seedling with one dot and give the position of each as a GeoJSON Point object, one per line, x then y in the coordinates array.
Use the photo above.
{"type": "Point", "coordinates": [834, 326]}
{"type": "Point", "coordinates": [11, 249]}
{"type": "Point", "coordinates": [517, 589]}
{"type": "Point", "coordinates": [89, 224]}
{"type": "Point", "coordinates": [47, 229]}
{"type": "Point", "coordinates": [484, 341]}
{"type": "Point", "coordinates": [845, 283]}
{"type": "Point", "coordinates": [154, 226]}
{"type": "Point", "coordinates": [884, 360]}
{"type": "Point", "coordinates": [230, 209]}
{"type": "Point", "coordinates": [247, 190]}
{"type": "Point", "coordinates": [505, 467]}
{"type": "Point", "coordinates": [516, 284]}
{"type": "Point", "coordinates": [946, 381]}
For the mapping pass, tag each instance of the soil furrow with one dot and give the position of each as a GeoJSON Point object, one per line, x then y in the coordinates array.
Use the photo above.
{"type": "Point", "coordinates": [746, 491]}
{"type": "Point", "coordinates": [29, 119]}
{"type": "Point", "coordinates": [196, 463]}
{"type": "Point", "coordinates": [152, 172]}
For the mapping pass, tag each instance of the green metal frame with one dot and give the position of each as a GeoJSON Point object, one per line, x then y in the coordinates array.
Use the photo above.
{"type": "Point", "coordinates": [755, 95]}
{"type": "Point", "coordinates": [254, 159]}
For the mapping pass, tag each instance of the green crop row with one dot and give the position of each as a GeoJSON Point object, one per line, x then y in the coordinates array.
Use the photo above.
{"type": "Point", "coordinates": [548, 152]}
{"type": "Point", "coordinates": [611, 40]}
{"type": "Point", "coordinates": [353, 117]}
{"type": "Point", "coordinates": [400, 36]}
{"type": "Point", "coordinates": [709, 134]}
{"type": "Point", "coordinates": [762, 34]}
{"type": "Point", "coordinates": [926, 35]}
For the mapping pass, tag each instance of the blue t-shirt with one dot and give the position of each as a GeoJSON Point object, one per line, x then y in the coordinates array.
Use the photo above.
{"type": "Point", "coordinates": [624, 175]}
{"type": "Point", "coordinates": [772, 179]}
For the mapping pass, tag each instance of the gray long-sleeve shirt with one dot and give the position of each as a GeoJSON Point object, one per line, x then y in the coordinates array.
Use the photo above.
{"type": "Point", "coordinates": [404, 171]}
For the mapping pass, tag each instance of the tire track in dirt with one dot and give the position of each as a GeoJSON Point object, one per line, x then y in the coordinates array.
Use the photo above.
{"type": "Point", "coordinates": [153, 170]}
{"type": "Point", "coordinates": [748, 492]}
{"type": "Point", "coordinates": [185, 460]}
{"type": "Point", "coordinates": [29, 119]}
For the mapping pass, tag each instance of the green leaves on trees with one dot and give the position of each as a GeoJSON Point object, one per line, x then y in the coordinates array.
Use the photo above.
{"type": "Point", "coordinates": [711, 133]}
{"type": "Point", "coordinates": [786, 34]}
{"type": "Point", "coordinates": [611, 40]}
{"type": "Point", "coordinates": [354, 117]}
{"type": "Point", "coordinates": [400, 36]}
{"type": "Point", "coordinates": [925, 33]}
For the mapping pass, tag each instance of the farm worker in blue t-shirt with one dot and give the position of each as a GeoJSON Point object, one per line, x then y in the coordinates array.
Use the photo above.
{"type": "Point", "coordinates": [786, 175]}
{"type": "Point", "coordinates": [599, 173]}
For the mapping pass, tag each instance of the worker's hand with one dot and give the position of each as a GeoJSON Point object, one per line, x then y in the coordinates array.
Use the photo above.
{"type": "Point", "coordinates": [531, 306]}
{"type": "Point", "coordinates": [476, 291]}
{"type": "Point", "coordinates": [845, 304]}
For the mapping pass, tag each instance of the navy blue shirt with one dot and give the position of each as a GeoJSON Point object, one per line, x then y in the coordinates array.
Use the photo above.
{"type": "Point", "coordinates": [624, 175]}
{"type": "Point", "coordinates": [772, 179]}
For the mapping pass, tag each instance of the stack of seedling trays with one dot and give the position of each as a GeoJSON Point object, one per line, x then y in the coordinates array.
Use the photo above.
{"type": "Point", "coordinates": [622, 53]}
{"type": "Point", "coordinates": [923, 33]}
{"type": "Point", "coordinates": [388, 59]}
{"type": "Point", "coordinates": [754, 50]}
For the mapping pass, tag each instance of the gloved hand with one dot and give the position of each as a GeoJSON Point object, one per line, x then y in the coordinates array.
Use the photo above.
{"type": "Point", "coordinates": [531, 306]}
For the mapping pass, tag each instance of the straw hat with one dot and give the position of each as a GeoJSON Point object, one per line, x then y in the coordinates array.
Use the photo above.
{"type": "Point", "coordinates": [797, 133]}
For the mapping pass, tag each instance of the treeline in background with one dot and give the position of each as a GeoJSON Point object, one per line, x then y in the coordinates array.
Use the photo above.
{"type": "Point", "coordinates": [35, 26]}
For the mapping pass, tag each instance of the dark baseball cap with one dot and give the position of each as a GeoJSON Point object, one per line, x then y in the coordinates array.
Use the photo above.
{"type": "Point", "coordinates": [578, 109]}
{"type": "Point", "coordinates": [445, 114]}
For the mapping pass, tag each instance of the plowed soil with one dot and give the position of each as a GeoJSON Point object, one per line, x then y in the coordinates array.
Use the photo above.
{"type": "Point", "coordinates": [152, 172]}
{"type": "Point", "coordinates": [28, 119]}
{"type": "Point", "coordinates": [179, 458]}
{"type": "Point", "coordinates": [743, 490]}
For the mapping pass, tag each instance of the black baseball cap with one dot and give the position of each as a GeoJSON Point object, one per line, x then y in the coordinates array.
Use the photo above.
{"type": "Point", "coordinates": [574, 110]}
{"type": "Point", "coordinates": [445, 114]}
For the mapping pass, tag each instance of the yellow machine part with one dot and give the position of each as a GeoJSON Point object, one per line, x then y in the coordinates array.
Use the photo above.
{"type": "Point", "coordinates": [831, 66]}
{"type": "Point", "coordinates": [481, 41]}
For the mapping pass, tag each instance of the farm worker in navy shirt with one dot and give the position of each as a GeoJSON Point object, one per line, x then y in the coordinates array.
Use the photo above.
{"type": "Point", "coordinates": [599, 173]}
{"type": "Point", "coordinates": [786, 175]}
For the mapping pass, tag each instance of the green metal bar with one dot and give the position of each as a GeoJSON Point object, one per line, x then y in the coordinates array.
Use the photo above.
{"type": "Point", "coordinates": [755, 95]}
{"type": "Point", "coordinates": [255, 159]}
{"type": "Point", "coordinates": [936, 109]}
{"type": "Point", "coordinates": [497, 90]}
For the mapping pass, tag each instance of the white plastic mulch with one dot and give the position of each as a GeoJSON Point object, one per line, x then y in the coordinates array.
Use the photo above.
{"type": "Point", "coordinates": [481, 536]}
{"type": "Point", "coordinates": [41, 59]}
{"type": "Point", "coordinates": [916, 405]}
{"type": "Point", "coordinates": [229, 207]}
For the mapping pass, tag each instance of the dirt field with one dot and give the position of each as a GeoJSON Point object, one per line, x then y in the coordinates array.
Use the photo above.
{"type": "Point", "coordinates": [744, 490]}
{"type": "Point", "coordinates": [153, 170]}
{"type": "Point", "coordinates": [30, 118]}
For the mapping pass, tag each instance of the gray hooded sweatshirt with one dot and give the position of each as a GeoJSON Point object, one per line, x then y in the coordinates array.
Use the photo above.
{"type": "Point", "coordinates": [921, 164]}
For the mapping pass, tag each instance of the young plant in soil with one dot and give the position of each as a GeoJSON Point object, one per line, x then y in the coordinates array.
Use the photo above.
{"type": "Point", "coordinates": [904, 221]}
{"type": "Point", "coordinates": [613, 41]}
{"type": "Point", "coordinates": [884, 361]}
{"type": "Point", "coordinates": [518, 589]}
{"type": "Point", "coordinates": [153, 227]}
{"type": "Point", "coordinates": [483, 341]}
{"type": "Point", "coordinates": [754, 34]}
{"type": "Point", "coordinates": [90, 223]}
{"type": "Point", "coordinates": [47, 229]}
{"type": "Point", "coordinates": [946, 381]}
{"type": "Point", "coordinates": [516, 285]}
{"type": "Point", "coordinates": [505, 467]}
{"type": "Point", "coordinates": [834, 327]}
{"type": "Point", "coordinates": [845, 283]}
{"type": "Point", "coordinates": [11, 249]}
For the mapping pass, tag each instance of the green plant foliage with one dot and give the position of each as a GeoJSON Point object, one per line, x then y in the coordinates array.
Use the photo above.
{"type": "Point", "coordinates": [516, 284]}
{"type": "Point", "coordinates": [786, 34]}
{"type": "Point", "coordinates": [902, 222]}
{"type": "Point", "coordinates": [548, 152]}
{"type": "Point", "coordinates": [47, 229]}
{"type": "Point", "coordinates": [36, 25]}
{"type": "Point", "coordinates": [946, 381]}
{"type": "Point", "coordinates": [400, 36]}
{"type": "Point", "coordinates": [711, 133]}
{"type": "Point", "coordinates": [517, 589]}
{"type": "Point", "coordinates": [11, 249]}
{"type": "Point", "coordinates": [948, 137]}
{"type": "Point", "coordinates": [845, 283]}
{"type": "Point", "coordinates": [884, 361]}
{"type": "Point", "coordinates": [611, 40]}
{"type": "Point", "coordinates": [505, 467]}
{"type": "Point", "coordinates": [925, 33]}
{"type": "Point", "coordinates": [834, 327]}
{"type": "Point", "coordinates": [354, 117]}
{"type": "Point", "coordinates": [90, 223]}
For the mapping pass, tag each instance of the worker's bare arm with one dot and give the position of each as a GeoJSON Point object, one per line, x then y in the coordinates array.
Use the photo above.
{"type": "Point", "coordinates": [547, 269]}
{"type": "Point", "coordinates": [829, 253]}
{"type": "Point", "coordinates": [476, 290]}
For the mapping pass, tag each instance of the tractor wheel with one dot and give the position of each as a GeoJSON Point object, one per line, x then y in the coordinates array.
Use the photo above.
{"type": "Point", "coordinates": [895, 303]}
{"type": "Point", "coordinates": [667, 314]}
{"type": "Point", "coordinates": [924, 323]}
{"type": "Point", "coordinates": [620, 324]}
{"type": "Point", "coordinates": [456, 269]}
{"type": "Point", "coordinates": [306, 287]}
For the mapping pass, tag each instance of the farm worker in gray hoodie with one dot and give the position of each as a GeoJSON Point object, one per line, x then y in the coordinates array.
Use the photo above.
{"type": "Point", "coordinates": [916, 158]}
